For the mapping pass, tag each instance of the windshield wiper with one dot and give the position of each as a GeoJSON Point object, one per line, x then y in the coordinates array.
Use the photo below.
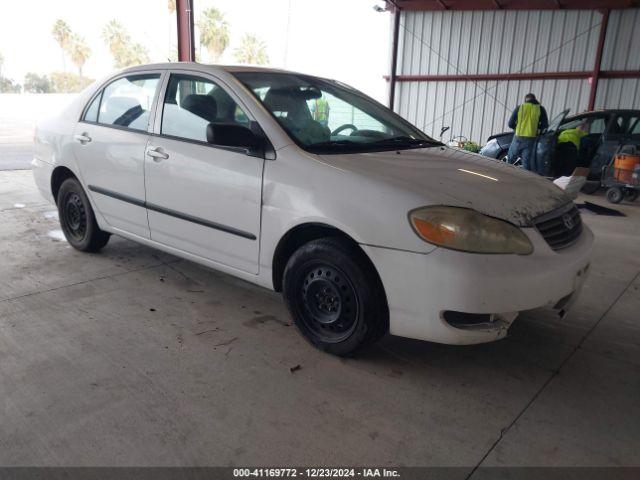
{"type": "Point", "coordinates": [334, 143]}
{"type": "Point", "coordinates": [403, 140]}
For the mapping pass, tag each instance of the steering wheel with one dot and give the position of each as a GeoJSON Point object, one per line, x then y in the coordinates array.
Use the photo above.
{"type": "Point", "coordinates": [346, 126]}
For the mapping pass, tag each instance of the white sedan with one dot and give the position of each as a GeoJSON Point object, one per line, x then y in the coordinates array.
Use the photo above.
{"type": "Point", "coordinates": [307, 186]}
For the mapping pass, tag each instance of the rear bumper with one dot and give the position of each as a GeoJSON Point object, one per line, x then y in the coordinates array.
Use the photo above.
{"type": "Point", "coordinates": [420, 288]}
{"type": "Point", "coordinates": [42, 172]}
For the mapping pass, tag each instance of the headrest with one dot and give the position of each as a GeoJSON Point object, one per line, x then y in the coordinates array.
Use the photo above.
{"type": "Point", "coordinates": [204, 106]}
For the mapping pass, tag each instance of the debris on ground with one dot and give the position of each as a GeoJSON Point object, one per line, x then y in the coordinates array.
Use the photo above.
{"type": "Point", "coordinates": [295, 369]}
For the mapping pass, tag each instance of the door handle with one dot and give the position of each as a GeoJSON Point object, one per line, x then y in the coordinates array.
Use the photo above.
{"type": "Point", "coordinates": [157, 153]}
{"type": "Point", "coordinates": [83, 138]}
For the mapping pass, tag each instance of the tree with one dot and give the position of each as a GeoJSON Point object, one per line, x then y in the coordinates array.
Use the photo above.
{"type": "Point", "coordinates": [124, 50]}
{"type": "Point", "coordinates": [34, 83]}
{"type": "Point", "coordinates": [79, 52]}
{"type": "Point", "coordinates": [251, 50]}
{"type": "Point", "coordinates": [7, 86]}
{"type": "Point", "coordinates": [67, 82]}
{"type": "Point", "coordinates": [214, 32]}
{"type": "Point", "coordinates": [62, 34]}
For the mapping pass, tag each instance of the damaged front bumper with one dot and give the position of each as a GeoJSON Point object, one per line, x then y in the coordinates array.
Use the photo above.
{"type": "Point", "coordinates": [453, 297]}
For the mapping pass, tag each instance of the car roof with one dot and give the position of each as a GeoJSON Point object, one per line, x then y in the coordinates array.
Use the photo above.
{"type": "Point", "coordinates": [207, 66]}
{"type": "Point", "coordinates": [603, 112]}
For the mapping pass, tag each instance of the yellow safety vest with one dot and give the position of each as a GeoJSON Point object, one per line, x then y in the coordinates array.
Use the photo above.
{"type": "Point", "coordinates": [572, 135]}
{"type": "Point", "coordinates": [528, 120]}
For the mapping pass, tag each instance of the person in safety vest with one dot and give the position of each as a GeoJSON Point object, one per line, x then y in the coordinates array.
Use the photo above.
{"type": "Point", "coordinates": [574, 135]}
{"type": "Point", "coordinates": [567, 151]}
{"type": "Point", "coordinates": [527, 120]}
{"type": "Point", "coordinates": [320, 110]}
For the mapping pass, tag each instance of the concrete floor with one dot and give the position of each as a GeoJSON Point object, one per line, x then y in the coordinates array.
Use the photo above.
{"type": "Point", "coordinates": [134, 357]}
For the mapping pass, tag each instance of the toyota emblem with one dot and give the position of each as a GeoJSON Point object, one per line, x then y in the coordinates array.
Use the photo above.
{"type": "Point", "coordinates": [568, 221]}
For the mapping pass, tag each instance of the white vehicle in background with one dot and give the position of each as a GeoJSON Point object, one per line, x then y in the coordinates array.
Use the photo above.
{"type": "Point", "coordinates": [309, 187]}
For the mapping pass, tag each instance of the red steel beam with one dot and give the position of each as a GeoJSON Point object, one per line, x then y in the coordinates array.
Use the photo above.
{"type": "Point", "coordinates": [516, 4]}
{"type": "Point", "coordinates": [394, 56]}
{"type": "Point", "coordinates": [598, 60]}
{"type": "Point", "coordinates": [186, 44]}
{"type": "Point", "coordinates": [620, 74]}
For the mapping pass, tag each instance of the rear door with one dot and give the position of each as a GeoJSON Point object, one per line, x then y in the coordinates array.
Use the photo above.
{"type": "Point", "coordinates": [546, 144]}
{"type": "Point", "coordinates": [203, 198]}
{"type": "Point", "coordinates": [109, 144]}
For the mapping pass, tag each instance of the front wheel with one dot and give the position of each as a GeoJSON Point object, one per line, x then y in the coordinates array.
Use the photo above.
{"type": "Point", "coordinates": [335, 296]}
{"type": "Point", "coordinates": [77, 219]}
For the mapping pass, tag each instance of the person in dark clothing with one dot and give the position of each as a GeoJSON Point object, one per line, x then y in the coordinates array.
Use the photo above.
{"type": "Point", "coordinates": [528, 120]}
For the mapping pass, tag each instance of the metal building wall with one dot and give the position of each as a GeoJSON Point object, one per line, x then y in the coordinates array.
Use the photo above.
{"type": "Point", "coordinates": [621, 52]}
{"type": "Point", "coordinates": [498, 41]}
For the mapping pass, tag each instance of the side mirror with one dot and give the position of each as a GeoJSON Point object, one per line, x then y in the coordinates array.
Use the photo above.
{"type": "Point", "coordinates": [232, 135]}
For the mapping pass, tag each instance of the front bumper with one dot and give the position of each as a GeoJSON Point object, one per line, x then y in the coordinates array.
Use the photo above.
{"type": "Point", "coordinates": [421, 287]}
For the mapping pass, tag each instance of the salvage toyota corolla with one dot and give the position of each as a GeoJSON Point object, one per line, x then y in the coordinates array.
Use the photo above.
{"type": "Point", "coordinates": [306, 186]}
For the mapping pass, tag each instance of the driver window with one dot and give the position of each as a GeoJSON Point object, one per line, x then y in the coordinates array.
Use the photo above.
{"type": "Point", "coordinates": [191, 103]}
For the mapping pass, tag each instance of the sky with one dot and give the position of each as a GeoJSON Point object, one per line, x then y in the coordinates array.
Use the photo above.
{"type": "Point", "coordinates": [342, 39]}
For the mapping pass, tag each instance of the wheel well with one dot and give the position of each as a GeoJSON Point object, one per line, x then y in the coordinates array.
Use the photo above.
{"type": "Point", "coordinates": [59, 175]}
{"type": "Point", "coordinates": [294, 239]}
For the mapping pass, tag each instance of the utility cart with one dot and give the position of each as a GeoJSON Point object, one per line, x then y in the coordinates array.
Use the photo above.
{"type": "Point", "coordinates": [622, 182]}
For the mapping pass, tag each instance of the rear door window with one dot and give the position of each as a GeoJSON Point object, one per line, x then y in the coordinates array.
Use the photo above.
{"type": "Point", "coordinates": [126, 102]}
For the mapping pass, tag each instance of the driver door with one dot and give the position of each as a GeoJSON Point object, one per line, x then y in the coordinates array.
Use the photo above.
{"type": "Point", "coordinates": [545, 145]}
{"type": "Point", "coordinates": [202, 198]}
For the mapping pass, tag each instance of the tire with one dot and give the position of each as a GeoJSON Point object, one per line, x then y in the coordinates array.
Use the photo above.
{"type": "Point", "coordinates": [590, 187]}
{"type": "Point", "coordinates": [335, 296]}
{"type": "Point", "coordinates": [632, 195]}
{"type": "Point", "coordinates": [77, 219]}
{"type": "Point", "coordinates": [614, 195]}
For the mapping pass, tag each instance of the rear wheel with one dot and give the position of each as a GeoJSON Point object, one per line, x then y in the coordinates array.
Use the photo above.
{"type": "Point", "coordinates": [77, 219]}
{"type": "Point", "coordinates": [335, 296]}
{"type": "Point", "coordinates": [614, 195]}
{"type": "Point", "coordinates": [590, 187]}
{"type": "Point", "coordinates": [632, 194]}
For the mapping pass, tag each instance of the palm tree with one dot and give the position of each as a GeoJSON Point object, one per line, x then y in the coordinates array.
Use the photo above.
{"type": "Point", "coordinates": [124, 51]}
{"type": "Point", "coordinates": [62, 34]}
{"type": "Point", "coordinates": [79, 52]}
{"type": "Point", "coordinates": [251, 50]}
{"type": "Point", "coordinates": [214, 32]}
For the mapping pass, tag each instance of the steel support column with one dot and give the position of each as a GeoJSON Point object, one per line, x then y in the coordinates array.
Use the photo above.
{"type": "Point", "coordinates": [598, 61]}
{"type": "Point", "coordinates": [394, 56]}
{"type": "Point", "coordinates": [186, 44]}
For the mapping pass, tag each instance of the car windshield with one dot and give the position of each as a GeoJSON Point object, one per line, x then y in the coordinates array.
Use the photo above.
{"type": "Point", "coordinates": [324, 116]}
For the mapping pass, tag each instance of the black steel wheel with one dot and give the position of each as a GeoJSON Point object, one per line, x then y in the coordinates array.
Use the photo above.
{"type": "Point", "coordinates": [335, 296]}
{"type": "Point", "coordinates": [77, 219]}
{"type": "Point", "coordinates": [614, 195]}
{"type": "Point", "coordinates": [330, 302]}
{"type": "Point", "coordinates": [632, 194]}
{"type": "Point", "coordinates": [74, 219]}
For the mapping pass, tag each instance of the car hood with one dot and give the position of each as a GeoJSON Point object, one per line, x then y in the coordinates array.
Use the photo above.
{"type": "Point", "coordinates": [448, 176]}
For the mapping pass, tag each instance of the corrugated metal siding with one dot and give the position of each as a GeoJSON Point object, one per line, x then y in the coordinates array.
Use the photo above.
{"type": "Point", "coordinates": [478, 109]}
{"type": "Point", "coordinates": [495, 41]}
{"type": "Point", "coordinates": [476, 42]}
{"type": "Point", "coordinates": [621, 52]}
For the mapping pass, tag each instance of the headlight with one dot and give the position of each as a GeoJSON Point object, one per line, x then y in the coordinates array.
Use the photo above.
{"type": "Point", "coordinates": [467, 230]}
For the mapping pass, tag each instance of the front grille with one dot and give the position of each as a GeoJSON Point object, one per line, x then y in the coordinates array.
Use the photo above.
{"type": "Point", "coordinates": [561, 227]}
